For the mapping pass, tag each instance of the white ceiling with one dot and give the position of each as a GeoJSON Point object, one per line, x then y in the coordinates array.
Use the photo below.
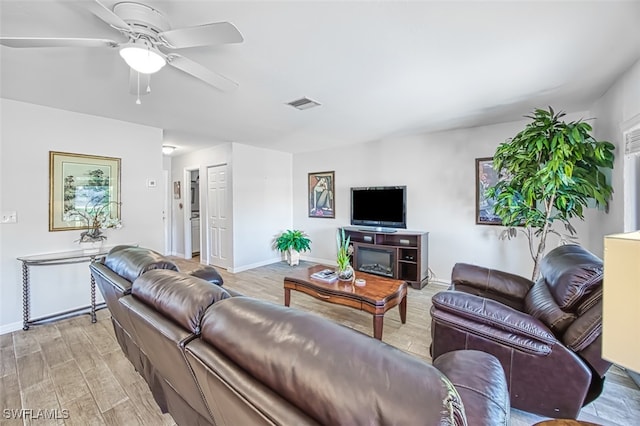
{"type": "Point", "coordinates": [378, 68]}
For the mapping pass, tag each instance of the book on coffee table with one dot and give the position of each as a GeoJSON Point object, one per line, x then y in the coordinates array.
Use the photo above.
{"type": "Point", "coordinates": [327, 275]}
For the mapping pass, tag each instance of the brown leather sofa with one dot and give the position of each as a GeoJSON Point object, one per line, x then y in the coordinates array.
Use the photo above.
{"type": "Point", "coordinates": [114, 276]}
{"type": "Point", "coordinates": [212, 357]}
{"type": "Point", "coordinates": [547, 335]}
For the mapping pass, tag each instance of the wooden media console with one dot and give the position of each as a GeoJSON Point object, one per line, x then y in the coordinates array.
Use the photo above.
{"type": "Point", "coordinates": [399, 254]}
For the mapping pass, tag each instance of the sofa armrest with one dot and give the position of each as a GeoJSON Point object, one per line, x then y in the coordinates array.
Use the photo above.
{"type": "Point", "coordinates": [494, 284]}
{"type": "Point", "coordinates": [207, 273]}
{"type": "Point", "coordinates": [493, 314]}
{"type": "Point", "coordinates": [501, 337]}
{"type": "Point", "coordinates": [480, 380]}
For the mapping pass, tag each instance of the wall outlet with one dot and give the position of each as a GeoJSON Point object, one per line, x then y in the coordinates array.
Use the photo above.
{"type": "Point", "coordinates": [9, 217]}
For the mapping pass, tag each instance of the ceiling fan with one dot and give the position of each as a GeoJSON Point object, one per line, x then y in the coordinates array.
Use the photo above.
{"type": "Point", "coordinates": [149, 35]}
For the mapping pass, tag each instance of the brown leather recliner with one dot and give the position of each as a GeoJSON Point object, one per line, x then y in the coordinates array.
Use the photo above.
{"type": "Point", "coordinates": [547, 335]}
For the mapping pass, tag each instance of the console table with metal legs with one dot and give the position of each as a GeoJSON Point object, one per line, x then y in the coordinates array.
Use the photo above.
{"type": "Point", "coordinates": [50, 259]}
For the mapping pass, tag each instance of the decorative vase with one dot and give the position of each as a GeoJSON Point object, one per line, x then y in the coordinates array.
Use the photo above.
{"type": "Point", "coordinates": [90, 247]}
{"type": "Point", "coordinates": [346, 274]}
{"type": "Point", "coordinates": [294, 257]}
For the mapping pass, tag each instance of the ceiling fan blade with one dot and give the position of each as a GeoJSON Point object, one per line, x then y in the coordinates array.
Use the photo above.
{"type": "Point", "coordinates": [134, 87]}
{"type": "Point", "coordinates": [198, 71]}
{"type": "Point", "coordinates": [202, 35]}
{"type": "Point", "coordinates": [103, 12]}
{"type": "Point", "coordinates": [56, 42]}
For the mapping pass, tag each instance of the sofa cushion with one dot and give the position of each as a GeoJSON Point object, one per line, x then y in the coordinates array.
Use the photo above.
{"type": "Point", "coordinates": [539, 303]}
{"type": "Point", "coordinates": [572, 273]}
{"type": "Point", "coordinates": [177, 295]}
{"type": "Point", "coordinates": [130, 262]}
{"type": "Point", "coordinates": [314, 363]}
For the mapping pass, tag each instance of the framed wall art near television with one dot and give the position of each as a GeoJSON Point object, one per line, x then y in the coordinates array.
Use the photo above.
{"type": "Point", "coordinates": [78, 182]}
{"type": "Point", "coordinates": [321, 195]}
{"type": "Point", "coordinates": [486, 176]}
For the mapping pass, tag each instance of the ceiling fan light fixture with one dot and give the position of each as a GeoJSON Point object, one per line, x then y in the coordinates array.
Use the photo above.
{"type": "Point", "coordinates": [142, 57]}
{"type": "Point", "coordinates": [168, 149]}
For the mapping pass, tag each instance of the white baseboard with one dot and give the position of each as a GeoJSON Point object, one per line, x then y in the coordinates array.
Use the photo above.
{"type": "Point", "coordinates": [82, 309]}
{"type": "Point", "coordinates": [10, 328]}
{"type": "Point", "coordinates": [254, 265]}
{"type": "Point", "coordinates": [279, 259]}
{"type": "Point", "coordinates": [440, 282]}
{"type": "Point", "coordinates": [318, 260]}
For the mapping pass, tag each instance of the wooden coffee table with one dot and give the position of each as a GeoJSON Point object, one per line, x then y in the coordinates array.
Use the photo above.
{"type": "Point", "coordinates": [377, 296]}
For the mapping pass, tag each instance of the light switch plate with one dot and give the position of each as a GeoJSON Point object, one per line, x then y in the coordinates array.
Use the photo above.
{"type": "Point", "coordinates": [151, 183]}
{"type": "Point", "coordinates": [9, 217]}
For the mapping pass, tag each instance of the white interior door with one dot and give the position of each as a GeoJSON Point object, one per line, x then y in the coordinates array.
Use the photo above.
{"type": "Point", "coordinates": [218, 217]}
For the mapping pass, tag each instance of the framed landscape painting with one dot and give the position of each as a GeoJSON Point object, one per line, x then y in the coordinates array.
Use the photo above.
{"type": "Point", "coordinates": [321, 190]}
{"type": "Point", "coordinates": [79, 182]}
{"type": "Point", "coordinates": [486, 176]}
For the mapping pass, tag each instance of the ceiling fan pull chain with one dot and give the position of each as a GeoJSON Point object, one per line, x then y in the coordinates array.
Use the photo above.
{"type": "Point", "coordinates": [148, 83]}
{"type": "Point", "coordinates": [138, 102]}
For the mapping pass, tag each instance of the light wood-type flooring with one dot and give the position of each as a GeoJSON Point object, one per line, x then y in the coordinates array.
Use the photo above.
{"type": "Point", "coordinates": [76, 371]}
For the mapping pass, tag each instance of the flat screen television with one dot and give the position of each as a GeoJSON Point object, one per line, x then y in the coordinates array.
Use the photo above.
{"type": "Point", "coordinates": [379, 206]}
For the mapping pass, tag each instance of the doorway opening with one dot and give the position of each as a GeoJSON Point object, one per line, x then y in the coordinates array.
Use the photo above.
{"type": "Point", "coordinates": [191, 212]}
{"type": "Point", "coordinates": [195, 213]}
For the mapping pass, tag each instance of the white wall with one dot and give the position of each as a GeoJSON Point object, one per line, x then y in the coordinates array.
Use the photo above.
{"type": "Point", "coordinates": [617, 111]}
{"type": "Point", "coordinates": [261, 192]}
{"type": "Point", "coordinates": [28, 133]}
{"type": "Point", "coordinates": [439, 172]}
{"type": "Point", "coordinates": [167, 189]}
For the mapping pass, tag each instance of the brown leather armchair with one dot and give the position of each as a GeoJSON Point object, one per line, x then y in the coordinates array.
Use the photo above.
{"type": "Point", "coordinates": [547, 335]}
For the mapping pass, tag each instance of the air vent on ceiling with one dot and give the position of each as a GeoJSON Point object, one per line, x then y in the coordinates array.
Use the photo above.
{"type": "Point", "coordinates": [303, 103]}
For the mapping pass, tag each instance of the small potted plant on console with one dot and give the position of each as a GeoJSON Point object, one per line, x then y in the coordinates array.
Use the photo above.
{"type": "Point", "coordinates": [293, 242]}
{"type": "Point", "coordinates": [345, 250]}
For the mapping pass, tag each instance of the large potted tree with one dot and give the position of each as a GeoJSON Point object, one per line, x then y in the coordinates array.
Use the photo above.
{"type": "Point", "coordinates": [549, 172]}
{"type": "Point", "coordinates": [292, 242]}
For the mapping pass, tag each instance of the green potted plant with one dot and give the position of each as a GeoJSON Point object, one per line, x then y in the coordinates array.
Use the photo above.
{"type": "Point", "coordinates": [292, 242]}
{"type": "Point", "coordinates": [345, 249]}
{"type": "Point", "coordinates": [550, 172]}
